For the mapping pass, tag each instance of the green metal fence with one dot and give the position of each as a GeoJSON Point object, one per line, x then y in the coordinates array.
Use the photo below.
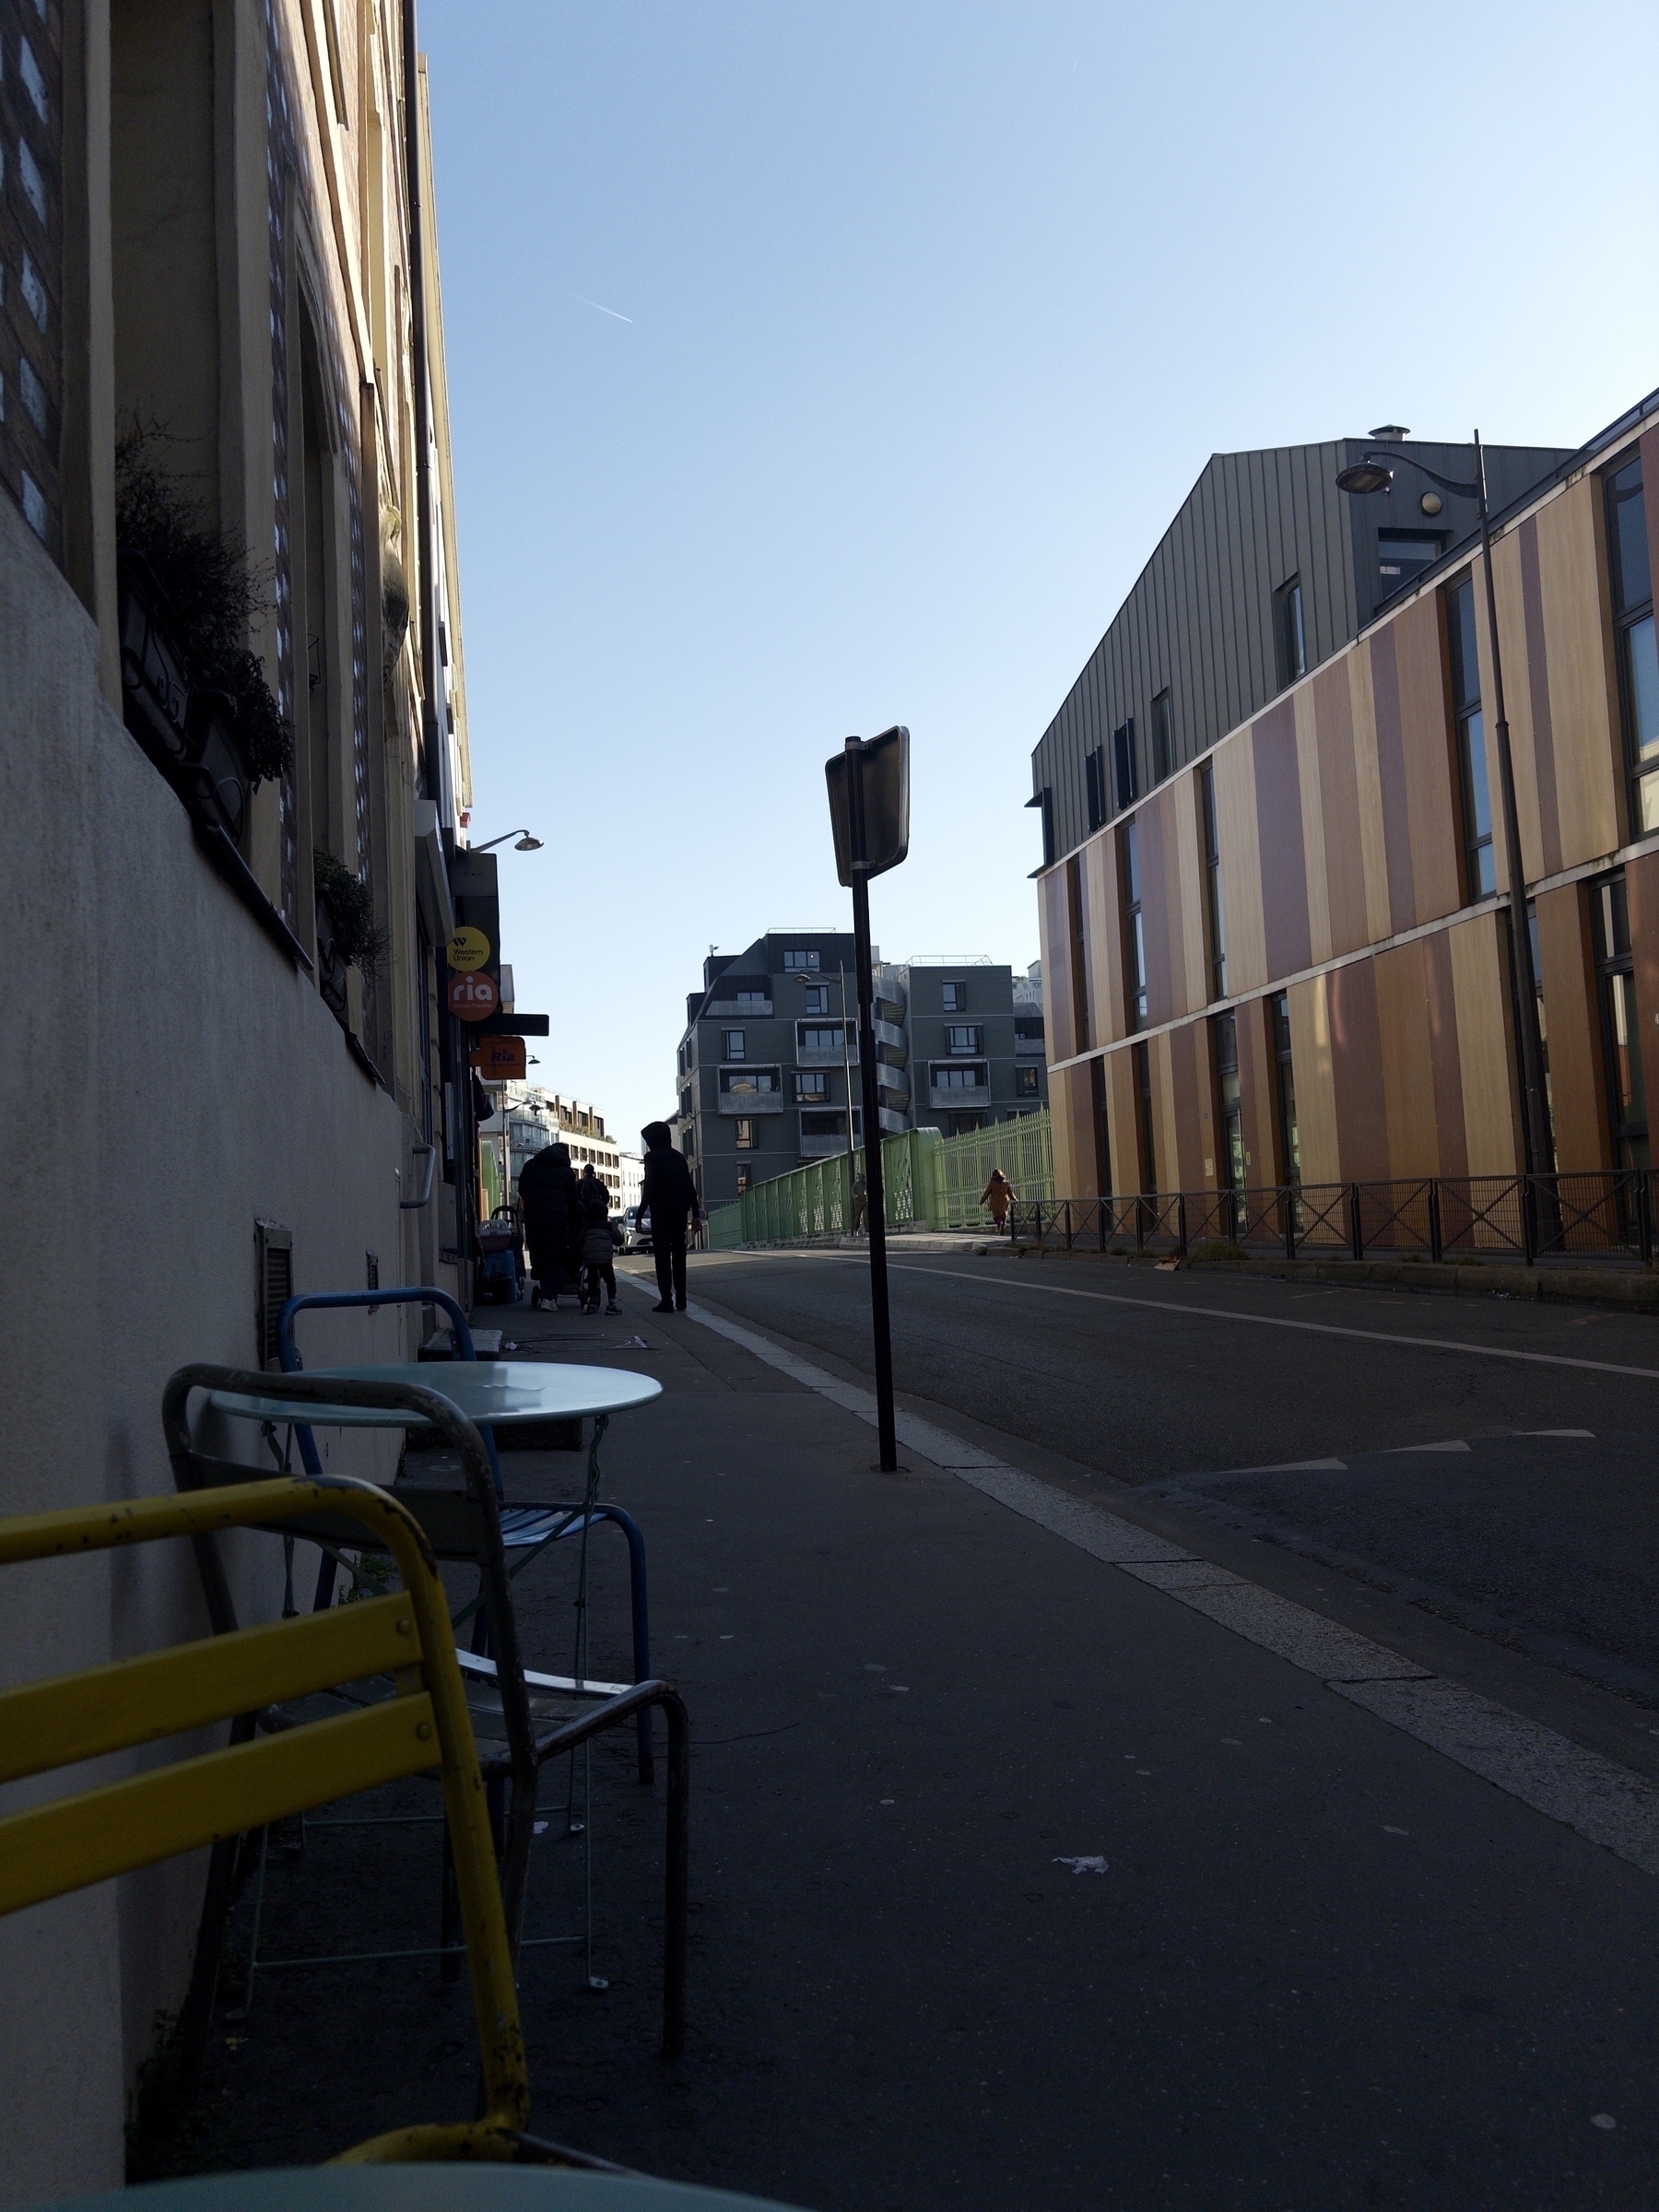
{"type": "Point", "coordinates": [929, 1181]}
{"type": "Point", "coordinates": [1021, 1148]}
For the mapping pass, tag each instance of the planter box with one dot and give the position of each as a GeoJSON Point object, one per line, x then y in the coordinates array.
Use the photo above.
{"type": "Point", "coordinates": [188, 729]}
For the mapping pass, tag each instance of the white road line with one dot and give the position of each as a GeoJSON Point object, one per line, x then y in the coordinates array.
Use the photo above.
{"type": "Point", "coordinates": [1600, 1800]}
{"type": "Point", "coordinates": [1260, 1321]}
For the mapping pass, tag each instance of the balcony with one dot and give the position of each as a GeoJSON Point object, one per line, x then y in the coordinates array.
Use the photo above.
{"type": "Point", "coordinates": [829, 1056]}
{"type": "Point", "coordinates": [959, 1100]}
{"type": "Point", "coordinates": [1029, 1048]}
{"type": "Point", "coordinates": [822, 1148]}
{"type": "Point", "coordinates": [894, 1038]}
{"type": "Point", "coordinates": [732, 1009]}
{"type": "Point", "coordinates": [750, 1090]}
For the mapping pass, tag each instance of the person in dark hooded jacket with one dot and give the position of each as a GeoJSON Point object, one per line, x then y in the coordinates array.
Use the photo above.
{"type": "Point", "coordinates": [668, 1189]}
{"type": "Point", "coordinates": [552, 1221]}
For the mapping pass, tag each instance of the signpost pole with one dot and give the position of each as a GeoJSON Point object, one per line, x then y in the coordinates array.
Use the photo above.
{"type": "Point", "coordinates": [874, 1196]}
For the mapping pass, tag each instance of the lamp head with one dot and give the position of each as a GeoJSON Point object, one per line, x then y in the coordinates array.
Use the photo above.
{"type": "Point", "coordinates": [528, 843]}
{"type": "Point", "coordinates": [1365, 476]}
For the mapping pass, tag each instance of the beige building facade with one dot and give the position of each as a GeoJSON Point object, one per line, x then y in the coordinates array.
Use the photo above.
{"type": "Point", "coordinates": [225, 1051]}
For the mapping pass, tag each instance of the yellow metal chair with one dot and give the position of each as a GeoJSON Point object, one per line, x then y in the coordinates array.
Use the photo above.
{"type": "Point", "coordinates": [88, 1837]}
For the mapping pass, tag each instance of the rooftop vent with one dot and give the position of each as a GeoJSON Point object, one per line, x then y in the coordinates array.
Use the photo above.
{"type": "Point", "coordinates": [1395, 432]}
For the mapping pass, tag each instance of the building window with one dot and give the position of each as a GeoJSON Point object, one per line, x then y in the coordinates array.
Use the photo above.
{"type": "Point", "coordinates": [1291, 632]}
{"type": "Point", "coordinates": [817, 998]}
{"type": "Point", "coordinates": [955, 998]}
{"type": "Point", "coordinates": [812, 1086]}
{"type": "Point", "coordinates": [1045, 802]}
{"type": "Point", "coordinates": [1094, 780]}
{"type": "Point", "coordinates": [1230, 1111]}
{"type": "Point", "coordinates": [824, 1124]}
{"type": "Point", "coordinates": [1627, 1094]}
{"type": "Point", "coordinates": [743, 1181]}
{"type": "Point", "coordinates": [809, 1038]}
{"type": "Point", "coordinates": [744, 1138]}
{"type": "Point", "coordinates": [1213, 919]}
{"type": "Point", "coordinates": [1290, 1140]}
{"type": "Point", "coordinates": [1079, 952]}
{"type": "Point", "coordinates": [1135, 935]}
{"type": "Point", "coordinates": [748, 1082]}
{"type": "Point", "coordinates": [1163, 737]}
{"type": "Point", "coordinates": [1025, 1083]}
{"type": "Point", "coordinates": [751, 998]}
{"type": "Point", "coordinates": [962, 1074]}
{"type": "Point", "coordinates": [1471, 739]}
{"type": "Point", "coordinates": [732, 1044]}
{"type": "Point", "coordinates": [798, 961]}
{"type": "Point", "coordinates": [1632, 582]}
{"type": "Point", "coordinates": [1141, 1062]}
{"type": "Point", "coordinates": [1098, 1122]}
{"type": "Point", "coordinates": [1122, 763]}
{"type": "Point", "coordinates": [1403, 554]}
{"type": "Point", "coordinates": [964, 1036]}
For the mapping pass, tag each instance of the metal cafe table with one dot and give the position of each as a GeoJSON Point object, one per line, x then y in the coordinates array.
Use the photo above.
{"type": "Point", "coordinates": [488, 1395]}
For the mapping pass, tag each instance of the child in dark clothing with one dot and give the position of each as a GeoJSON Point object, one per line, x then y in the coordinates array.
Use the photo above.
{"type": "Point", "coordinates": [598, 1249]}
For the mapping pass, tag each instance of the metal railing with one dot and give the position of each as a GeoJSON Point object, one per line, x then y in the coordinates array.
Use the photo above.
{"type": "Point", "coordinates": [1599, 1214]}
{"type": "Point", "coordinates": [931, 1182]}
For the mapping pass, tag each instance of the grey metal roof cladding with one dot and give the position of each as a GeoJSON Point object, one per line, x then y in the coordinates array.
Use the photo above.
{"type": "Point", "coordinates": [1199, 620]}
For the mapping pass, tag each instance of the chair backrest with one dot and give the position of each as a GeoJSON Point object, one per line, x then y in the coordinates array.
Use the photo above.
{"type": "Point", "coordinates": [95, 1833]}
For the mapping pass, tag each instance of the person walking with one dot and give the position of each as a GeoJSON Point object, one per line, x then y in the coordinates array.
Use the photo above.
{"type": "Point", "coordinates": [998, 1195]}
{"type": "Point", "coordinates": [668, 1189]}
{"type": "Point", "coordinates": [552, 1224]}
{"type": "Point", "coordinates": [598, 1244]}
{"type": "Point", "coordinates": [861, 1205]}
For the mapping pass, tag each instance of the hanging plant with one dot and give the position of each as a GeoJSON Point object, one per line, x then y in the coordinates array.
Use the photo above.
{"type": "Point", "coordinates": [359, 939]}
{"type": "Point", "coordinates": [215, 593]}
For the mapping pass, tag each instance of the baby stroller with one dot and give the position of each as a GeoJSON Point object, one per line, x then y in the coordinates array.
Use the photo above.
{"type": "Point", "coordinates": [500, 1257]}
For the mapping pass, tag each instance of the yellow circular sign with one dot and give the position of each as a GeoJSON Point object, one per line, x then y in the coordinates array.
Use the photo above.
{"type": "Point", "coordinates": [469, 949]}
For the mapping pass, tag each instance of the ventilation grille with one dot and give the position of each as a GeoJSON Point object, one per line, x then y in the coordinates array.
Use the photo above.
{"type": "Point", "coordinates": [274, 1283]}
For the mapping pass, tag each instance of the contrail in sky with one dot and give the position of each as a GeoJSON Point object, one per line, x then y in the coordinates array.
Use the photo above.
{"type": "Point", "coordinates": [599, 304]}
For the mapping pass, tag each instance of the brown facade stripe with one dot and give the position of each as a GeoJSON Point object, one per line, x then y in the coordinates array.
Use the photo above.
{"type": "Point", "coordinates": [1391, 776]}
{"type": "Point", "coordinates": [1537, 680]}
{"type": "Point", "coordinates": [1444, 1058]}
{"type": "Point", "coordinates": [1357, 1069]}
{"type": "Point", "coordinates": [1279, 832]}
{"type": "Point", "coordinates": [1339, 809]}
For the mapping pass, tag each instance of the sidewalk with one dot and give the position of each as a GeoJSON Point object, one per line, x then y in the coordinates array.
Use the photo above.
{"type": "Point", "coordinates": [1018, 1881]}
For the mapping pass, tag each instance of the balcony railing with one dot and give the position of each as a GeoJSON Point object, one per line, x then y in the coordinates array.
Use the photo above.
{"type": "Point", "coordinates": [1595, 1216]}
{"type": "Point", "coordinates": [732, 1009]}
{"type": "Point", "coordinates": [1029, 1048]}
{"type": "Point", "coordinates": [958, 1099]}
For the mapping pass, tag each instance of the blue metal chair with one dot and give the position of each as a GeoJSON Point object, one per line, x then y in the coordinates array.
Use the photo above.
{"type": "Point", "coordinates": [526, 1529]}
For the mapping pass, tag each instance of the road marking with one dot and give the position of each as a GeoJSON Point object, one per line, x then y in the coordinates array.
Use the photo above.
{"type": "Point", "coordinates": [1600, 1800]}
{"type": "Point", "coordinates": [1260, 1321]}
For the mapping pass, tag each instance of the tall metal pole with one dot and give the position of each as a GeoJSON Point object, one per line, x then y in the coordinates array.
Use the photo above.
{"type": "Point", "coordinates": [847, 1076]}
{"type": "Point", "coordinates": [1536, 1115]}
{"type": "Point", "coordinates": [874, 1196]}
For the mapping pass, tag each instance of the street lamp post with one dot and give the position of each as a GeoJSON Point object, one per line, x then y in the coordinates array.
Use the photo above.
{"type": "Point", "coordinates": [869, 812]}
{"type": "Point", "coordinates": [1375, 473]}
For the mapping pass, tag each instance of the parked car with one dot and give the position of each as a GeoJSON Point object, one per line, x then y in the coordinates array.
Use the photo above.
{"type": "Point", "coordinates": [635, 1225]}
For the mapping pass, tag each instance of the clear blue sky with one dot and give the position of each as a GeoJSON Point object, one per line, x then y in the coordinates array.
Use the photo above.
{"type": "Point", "coordinates": [933, 314]}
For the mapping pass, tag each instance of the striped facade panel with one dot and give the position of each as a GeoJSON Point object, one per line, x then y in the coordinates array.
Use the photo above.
{"type": "Point", "coordinates": [1106, 973]}
{"type": "Point", "coordinates": [1285, 942]}
{"type": "Point", "coordinates": [1122, 1125]}
{"type": "Point", "coordinates": [1069, 1129]}
{"type": "Point", "coordinates": [1584, 740]}
{"type": "Point", "coordinates": [1059, 1025]}
{"type": "Point", "coordinates": [1433, 803]}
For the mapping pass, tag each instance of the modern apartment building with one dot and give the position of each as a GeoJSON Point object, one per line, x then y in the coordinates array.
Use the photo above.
{"type": "Point", "coordinates": [527, 1119]}
{"type": "Point", "coordinates": [1266, 572]}
{"type": "Point", "coordinates": [1293, 959]}
{"type": "Point", "coordinates": [768, 1072]}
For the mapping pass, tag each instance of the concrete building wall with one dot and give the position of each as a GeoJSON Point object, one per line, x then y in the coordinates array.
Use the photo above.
{"type": "Point", "coordinates": [234, 246]}
{"type": "Point", "coordinates": [1346, 884]}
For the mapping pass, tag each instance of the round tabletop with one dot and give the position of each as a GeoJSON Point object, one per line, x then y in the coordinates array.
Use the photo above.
{"type": "Point", "coordinates": [499, 1391]}
{"type": "Point", "coordinates": [437, 2188]}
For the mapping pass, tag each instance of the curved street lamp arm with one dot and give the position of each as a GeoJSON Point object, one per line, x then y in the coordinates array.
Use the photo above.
{"type": "Point", "coordinates": [1388, 460]}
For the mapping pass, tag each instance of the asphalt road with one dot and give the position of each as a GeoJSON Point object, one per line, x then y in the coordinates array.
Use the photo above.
{"type": "Point", "coordinates": [1484, 1459]}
